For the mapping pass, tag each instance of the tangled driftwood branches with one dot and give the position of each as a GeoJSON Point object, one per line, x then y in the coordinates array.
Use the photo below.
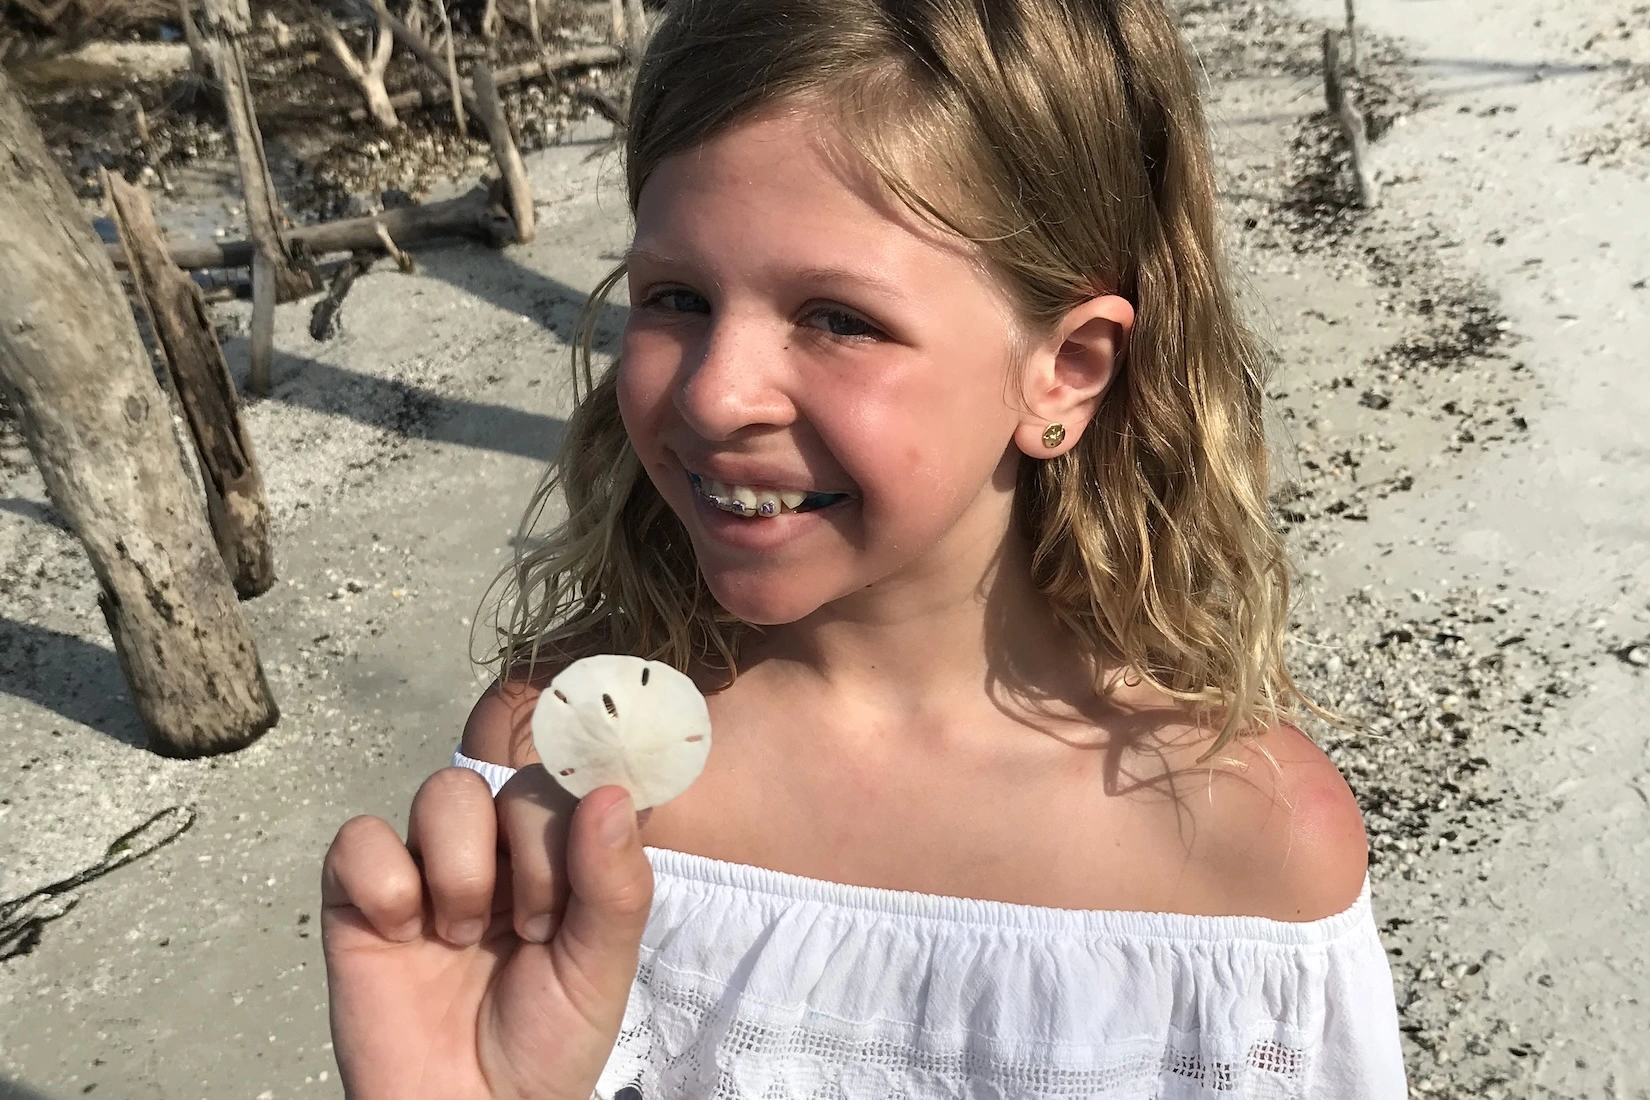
{"type": "Point", "coordinates": [367, 72]}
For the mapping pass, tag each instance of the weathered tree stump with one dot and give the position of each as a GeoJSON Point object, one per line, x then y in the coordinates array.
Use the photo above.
{"type": "Point", "coordinates": [235, 502]}
{"type": "Point", "coordinates": [75, 370]}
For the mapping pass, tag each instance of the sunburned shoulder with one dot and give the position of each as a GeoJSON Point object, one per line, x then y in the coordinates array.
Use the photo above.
{"type": "Point", "coordinates": [1276, 831]}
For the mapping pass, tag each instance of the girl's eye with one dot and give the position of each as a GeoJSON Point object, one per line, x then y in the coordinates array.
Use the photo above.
{"type": "Point", "coordinates": [679, 301]}
{"type": "Point", "coordinates": [839, 322]}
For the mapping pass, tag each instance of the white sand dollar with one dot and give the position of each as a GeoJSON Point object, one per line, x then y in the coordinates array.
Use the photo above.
{"type": "Point", "coordinates": [616, 719]}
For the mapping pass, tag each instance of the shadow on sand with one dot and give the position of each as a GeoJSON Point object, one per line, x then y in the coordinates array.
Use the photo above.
{"type": "Point", "coordinates": [416, 412]}
{"type": "Point", "coordinates": [70, 677]}
{"type": "Point", "coordinates": [17, 1090]}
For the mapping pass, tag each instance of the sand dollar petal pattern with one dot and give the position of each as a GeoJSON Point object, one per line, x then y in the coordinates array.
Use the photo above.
{"type": "Point", "coordinates": [623, 720]}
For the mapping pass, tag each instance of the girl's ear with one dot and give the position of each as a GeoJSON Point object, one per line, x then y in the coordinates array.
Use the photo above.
{"type": "Point", "coordinates": [1066, 375]}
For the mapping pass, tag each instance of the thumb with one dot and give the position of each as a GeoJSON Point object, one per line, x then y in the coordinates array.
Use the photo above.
{"type": "Point", "coordinates": [610, 894]}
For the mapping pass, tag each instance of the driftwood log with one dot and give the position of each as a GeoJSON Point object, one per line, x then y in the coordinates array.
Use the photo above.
{"type": "Point", "coordinates": [505, 153]}
{"type": "Point", "coordinates": [537, 32]}
{"type": "Point", "coordinates": [416, 44]}
{"type": "Point", "coordinates": [75, 369]}
{"type": "Point", "coordinates": [1343, 106]}
{"type": "Point", "coordinates": [198, 61]}
{"type": "Point", "coordinates": [635, 22]}
{"type": "Point", "coordinates": [323, 319]}
{"type": "Point", "coordinates": [205, 391]}
{"type": "Point", "coordinates": [276, 274]}
{"type": "Point", "coordinates": [141, 122]}
{"type": "Point", "coordinates": [477, 215]}
{"type": "Point", "coordinates": [367, 72]}
{"type": "Point", "coordinates": [1352, 36]}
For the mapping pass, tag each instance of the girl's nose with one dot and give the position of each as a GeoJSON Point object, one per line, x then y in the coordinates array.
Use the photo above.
{"type": "Point", "coordinates": [735, 384]}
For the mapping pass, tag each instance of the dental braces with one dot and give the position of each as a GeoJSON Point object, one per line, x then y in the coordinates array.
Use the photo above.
{"type": "Point", "coordinates": [767, 509]}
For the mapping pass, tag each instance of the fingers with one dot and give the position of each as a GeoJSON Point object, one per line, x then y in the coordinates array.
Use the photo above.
{"type": "Point", "coordinates": [611, 892]}
{"type": "Point", "coordinates": [370, 870]}
{"type": "Point", "coordinates": [534, 813]}
{"type": "Point", "coordinates": [453, 832]}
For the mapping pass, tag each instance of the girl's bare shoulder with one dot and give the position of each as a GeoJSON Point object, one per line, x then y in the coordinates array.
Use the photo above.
{"type": "Point", "coordinates": [1274, 828]}
{"type": "Point", "coordinates": [500, 727]}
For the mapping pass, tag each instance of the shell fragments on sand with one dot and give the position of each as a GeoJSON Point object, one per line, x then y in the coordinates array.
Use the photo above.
{"type": "Point", "coordinates": [616, 719]}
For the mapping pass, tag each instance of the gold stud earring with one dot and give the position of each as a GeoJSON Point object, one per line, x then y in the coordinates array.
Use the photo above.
{"type": "Point", "coordinates": [1054, 435]}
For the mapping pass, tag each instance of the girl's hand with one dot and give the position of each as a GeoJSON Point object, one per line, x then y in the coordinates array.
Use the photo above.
{"type": "Point", "coordinates": [491, 956]}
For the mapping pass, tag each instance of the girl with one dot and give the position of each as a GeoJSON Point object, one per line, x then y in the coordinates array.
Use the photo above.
{"type": "Point", "coordinates": [933, 453]}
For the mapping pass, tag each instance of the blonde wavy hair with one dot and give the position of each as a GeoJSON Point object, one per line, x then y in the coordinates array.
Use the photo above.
{"type": "Point", "coordinates": [1072, 142]}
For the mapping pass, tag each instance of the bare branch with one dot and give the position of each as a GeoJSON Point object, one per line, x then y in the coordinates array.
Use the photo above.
{"type": "Point", "coordinates": [383, 43]}
{"type": "Point", "coordinates": [402, 260]}
{"type": "Point", "coordinates": [454, 85]}
{"type": "Point", "coordinates": [635, 18]}
{"type": "Point", "coordinates": [507, 75]}
{"type": "Point", "coordinates": [323, 318]}
{"type": "Point", "coordinates": [505, 153]}
{"type": "Point", "coordinates": [1345, 109]}
{"type": "Point", "coordinates": [191, 33]}
{"type": "Point", "coordinates": [333, 39]}
{"type": "Point", "coordinates": [1352, 36]}
{"type": "Point", "coordinates": [141, 121]}
{"type": "Point", "coordinates": [533, 24]}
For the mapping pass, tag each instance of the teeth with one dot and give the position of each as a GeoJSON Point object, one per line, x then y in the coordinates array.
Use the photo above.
{"type": "Point", "coordinates": [748, 501]}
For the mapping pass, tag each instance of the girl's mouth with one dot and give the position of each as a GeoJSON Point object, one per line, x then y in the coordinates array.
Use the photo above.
{"type": "Point", "coordinates": [757, 503]}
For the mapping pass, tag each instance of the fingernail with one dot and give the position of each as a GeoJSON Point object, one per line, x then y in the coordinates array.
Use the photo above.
{"type": "Point", "coordinates": [409, 931]}
{"type": "Point", "coordinates": [467, 933]}
{"type": "Point", "coordinates": [536, 929]}
{"type": "Point", "coordinates": [619, 823]}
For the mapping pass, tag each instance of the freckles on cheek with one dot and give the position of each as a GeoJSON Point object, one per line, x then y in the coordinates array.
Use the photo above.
{"type": "Point", "coordinates": [635, 413]}
{"type": "Point", "coordinates": [636, 387]}
{"type": "Point", "coordinates": [629, 412]}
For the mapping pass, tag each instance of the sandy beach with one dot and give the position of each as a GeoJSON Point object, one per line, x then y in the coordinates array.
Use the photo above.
{"type": "Point", "coordinates": [1458, 408]}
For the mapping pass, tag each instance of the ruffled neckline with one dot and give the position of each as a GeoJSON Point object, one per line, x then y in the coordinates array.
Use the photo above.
{"type": "Point", "coordinates": [780, 888]}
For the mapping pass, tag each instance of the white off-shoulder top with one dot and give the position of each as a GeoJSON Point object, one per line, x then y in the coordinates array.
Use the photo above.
{"type": "Point", "coordinates": [759, 985]}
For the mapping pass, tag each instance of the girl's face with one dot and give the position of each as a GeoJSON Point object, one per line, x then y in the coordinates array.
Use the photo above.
{"type": "Point", "coordinates": [800, 343]}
